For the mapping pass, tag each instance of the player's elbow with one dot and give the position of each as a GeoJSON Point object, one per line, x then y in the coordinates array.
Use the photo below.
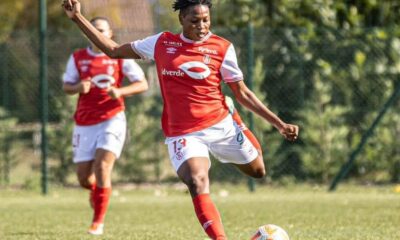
{"type": "Point", "coordinates": [113, 53]}
{"type": "Point", "coordinates": [144, 85]}
{"type": "Point", "coordinates": [68, 89]}
{"type": "Point", "coordinates": [242, 97]}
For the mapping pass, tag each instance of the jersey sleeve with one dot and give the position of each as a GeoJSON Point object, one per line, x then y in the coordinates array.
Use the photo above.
{"type": "Point", "coordinates": [71, 74]}
{"type": "Point", "coordinates": [230, 70]}
{"type": "Point", "coordinates": [132, 70]}
{"type": "Point", "coordinates": [145, 47]}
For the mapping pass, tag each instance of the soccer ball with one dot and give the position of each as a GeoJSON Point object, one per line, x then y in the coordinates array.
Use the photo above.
{"type": "Point", "coordinates": [270, 232]}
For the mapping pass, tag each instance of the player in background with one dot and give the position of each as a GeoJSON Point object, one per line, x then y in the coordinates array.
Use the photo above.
{"type": "Point", "coordinates": [191, 66]}
{"type": "Point", "coordinates": [100, 124]}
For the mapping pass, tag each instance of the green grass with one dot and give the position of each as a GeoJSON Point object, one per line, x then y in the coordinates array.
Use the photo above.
{"type": "Point", "coordinates": [307, 213]}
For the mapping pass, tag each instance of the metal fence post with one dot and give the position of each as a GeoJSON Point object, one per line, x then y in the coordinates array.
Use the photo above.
{"type": "Point", "coordinates": [43, 92]}
{"type": "Point", "coordinates": [5, 80]}
{"type": "Point", "coordinates": [249, 78]}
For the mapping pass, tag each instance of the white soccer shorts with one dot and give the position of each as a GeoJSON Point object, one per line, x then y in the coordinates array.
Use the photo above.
{"type": "Point", "coordinates": [108, 135]}
{"type": "Point", "coordinates": [225, 140]}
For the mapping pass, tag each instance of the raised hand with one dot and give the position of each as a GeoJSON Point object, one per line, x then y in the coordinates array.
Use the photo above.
{"type": "Point", "coordinates": [71, 7]}
{"type": "Point", "coordinates": [290, 131]}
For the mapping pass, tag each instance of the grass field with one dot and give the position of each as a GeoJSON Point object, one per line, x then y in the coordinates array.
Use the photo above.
{"type": "Point", "coordinates": [307, 213]}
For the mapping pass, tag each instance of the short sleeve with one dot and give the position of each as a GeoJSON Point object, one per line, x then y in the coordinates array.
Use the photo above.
{"type": "Point", "coordinates": [145, 47]}
{"type": "Point", "coordinates": [132, 70]}
{"type": "Point", "coordinates": [71, 74]}
{"type": "Point", "coordinates": [230, 70]}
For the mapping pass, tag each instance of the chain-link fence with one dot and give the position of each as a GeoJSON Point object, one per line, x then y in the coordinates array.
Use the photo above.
{"type": "Point", "coordinates": [332, 83]}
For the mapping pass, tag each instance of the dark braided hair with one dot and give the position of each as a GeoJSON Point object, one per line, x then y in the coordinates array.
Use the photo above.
{"type": "Point", "coordinates": [180, 5]}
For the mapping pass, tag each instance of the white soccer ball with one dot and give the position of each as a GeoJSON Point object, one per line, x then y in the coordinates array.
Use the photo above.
{"type": "Point", "coordinates": [270, 232]}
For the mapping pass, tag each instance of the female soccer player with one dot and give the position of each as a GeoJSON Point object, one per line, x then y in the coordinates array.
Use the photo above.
{"type": "Point", "coordinates": [196, 120]}
{"type": "Point", "coordinates": [99, 133]}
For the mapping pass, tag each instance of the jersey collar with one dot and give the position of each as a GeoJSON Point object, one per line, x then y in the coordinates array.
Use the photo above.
{"type": "Point", "coordinates": [205, 38]}
{"type": "Point", "coordinates": [92, 53]}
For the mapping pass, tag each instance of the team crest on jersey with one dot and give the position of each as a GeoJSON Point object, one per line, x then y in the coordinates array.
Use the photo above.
{"type": "Point", "coordinates": [110, 70]}
{"type": "Point", "coordinates": [207, 59]}
{"type": "Point", "coordinates": [196, 70]}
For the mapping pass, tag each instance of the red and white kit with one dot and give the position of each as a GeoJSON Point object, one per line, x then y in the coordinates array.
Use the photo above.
{"type": "Point", "coordinates": [100, 121]}
{"type": "Point", "coordinates": [190, 75]}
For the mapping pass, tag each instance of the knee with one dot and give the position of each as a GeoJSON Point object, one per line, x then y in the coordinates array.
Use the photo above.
{"type": "Point", "coordinates": [84, 182]}
{"type": "Point", "coordinates": [103, 167]}
{"type": "Point", "coordinates": [198, 183]}
{"type": "Point", "coordinates": [258, 168]}
{"type": "Point", "coordinates": [259, 172]}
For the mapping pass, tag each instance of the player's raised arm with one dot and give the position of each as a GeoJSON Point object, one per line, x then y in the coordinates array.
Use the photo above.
{"type": "Point", "coordinates": [73, 10]}
{"type": "Point", "coordinates": [249, 100]}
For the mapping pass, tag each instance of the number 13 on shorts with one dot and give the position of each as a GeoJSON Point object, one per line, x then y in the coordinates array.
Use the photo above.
{"type": "Point", "coordinates": [182, 148]}
{"type": "Point", "coordinates": [179, 144]}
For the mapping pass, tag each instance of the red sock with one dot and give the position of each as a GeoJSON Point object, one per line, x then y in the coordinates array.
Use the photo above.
{"type": "Point", "coordinates": [91, 188]}
{"type": "Point", "coordinates": [101, 199]}
{"type": "Point", "coordinates": [208, 216]}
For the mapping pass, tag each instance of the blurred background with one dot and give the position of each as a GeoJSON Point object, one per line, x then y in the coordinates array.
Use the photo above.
{"type": "Point", "coordinates": [332, 67]}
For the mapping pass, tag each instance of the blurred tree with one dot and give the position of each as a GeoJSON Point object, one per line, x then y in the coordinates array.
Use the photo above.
{"type": "Point", "coordinates": [60, 143]}
{"type": "Point", "coordinates": [9, 13]}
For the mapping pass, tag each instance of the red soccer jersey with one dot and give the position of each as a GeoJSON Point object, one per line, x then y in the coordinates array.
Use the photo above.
{"type": "Point", "coordinates": [190, 75]}
{"type": "Point", "coordinates": [97, 106]}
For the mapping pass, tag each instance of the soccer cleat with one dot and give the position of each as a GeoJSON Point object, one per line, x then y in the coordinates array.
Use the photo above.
{"type": "Point", "coordinates": [96, 229]}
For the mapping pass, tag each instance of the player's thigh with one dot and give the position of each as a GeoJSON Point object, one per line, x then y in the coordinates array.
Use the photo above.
{"type": "Point", "coordinates": [242, 150]}
{"type": "Point", "coordinates": [104, 161]}
{"type": "Point", "coordinates": [253, 140]}
{"type": "Point", "coordinates": [235, 147]}
{"type": "Point", "coordinates": [111, 137]}
{"type": "Point", "coordinates": [185, 147]}
{"type": "Point", "coordinates": [255, 168]}
{"type": "Point", "coordinates": [84, 143]}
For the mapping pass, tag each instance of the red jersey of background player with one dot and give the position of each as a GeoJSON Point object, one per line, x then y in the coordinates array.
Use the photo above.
{"type": "Point", "coordinates": [97, 106]}
{"type": "Point", "coordinates": [190, 75]}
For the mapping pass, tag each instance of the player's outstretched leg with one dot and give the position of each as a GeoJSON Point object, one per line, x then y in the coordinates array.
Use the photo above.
{"type": "Point", "coordinates": [255, 168]}
{"type": "Point", "coordinates": [104, 162]}
{"type": "Point", "coordinates": [194, 173]}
